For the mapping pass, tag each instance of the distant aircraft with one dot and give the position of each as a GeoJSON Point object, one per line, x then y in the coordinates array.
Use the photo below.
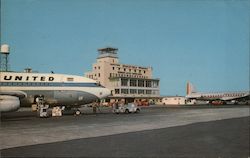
{"type": "Point", "coordinates": [22, 89]}
{"type": "Point", "coordinates": [223, 97]}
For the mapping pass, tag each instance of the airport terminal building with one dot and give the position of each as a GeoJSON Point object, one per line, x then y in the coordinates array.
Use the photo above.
{"type": "Point", "coordinates": [126, 82]}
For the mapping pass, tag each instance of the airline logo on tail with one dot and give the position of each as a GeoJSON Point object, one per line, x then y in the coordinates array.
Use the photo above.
{"type": "Point", "coordinates": [190, 88]}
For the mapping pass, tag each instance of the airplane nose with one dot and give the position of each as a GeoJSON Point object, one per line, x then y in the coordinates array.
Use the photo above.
{"type": "Point", "coordinates": [105, 92]}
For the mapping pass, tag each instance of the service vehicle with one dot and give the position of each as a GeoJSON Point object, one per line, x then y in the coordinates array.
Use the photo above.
{"type": "Point", "coordinates": [126, 108]}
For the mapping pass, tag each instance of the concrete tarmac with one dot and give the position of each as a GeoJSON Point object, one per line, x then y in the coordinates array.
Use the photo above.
{"type": "Point", "coordinates": [155, 132]}
{"type": "Point", "coordinates": [216, 139]}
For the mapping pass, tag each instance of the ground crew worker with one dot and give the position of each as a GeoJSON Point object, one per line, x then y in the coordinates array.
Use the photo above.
{"type": "Point", "coordinates": [94, 107]}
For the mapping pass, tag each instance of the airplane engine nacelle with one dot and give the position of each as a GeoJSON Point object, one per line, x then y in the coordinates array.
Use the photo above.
{"type": "Point", "coordinates": [9, 103]}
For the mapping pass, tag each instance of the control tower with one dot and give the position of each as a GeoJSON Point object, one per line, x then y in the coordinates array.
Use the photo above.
{"type": "Point", "coordinates": [108, 54]}
{"type": "Point", "coordinates": [4, 57]}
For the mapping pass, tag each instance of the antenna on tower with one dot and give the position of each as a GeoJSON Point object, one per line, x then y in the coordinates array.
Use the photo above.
{"type": "Point", "coordinates": [4, 57]}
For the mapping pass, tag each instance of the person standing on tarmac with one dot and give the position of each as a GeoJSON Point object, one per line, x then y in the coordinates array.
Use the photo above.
{"type": "Point", "coordinates": [95, 106]}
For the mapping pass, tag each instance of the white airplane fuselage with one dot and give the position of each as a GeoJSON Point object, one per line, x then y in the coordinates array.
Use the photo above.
{"type": "Point", "coordinates": [218, 96]}
{"type": "Point", "coordinates": [57, 89]}
{"type": "Point", "coordinates": [223, 96]}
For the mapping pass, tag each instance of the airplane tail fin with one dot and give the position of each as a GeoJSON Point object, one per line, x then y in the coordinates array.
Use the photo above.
{"type": "Point", "coordinates": [190, 88]}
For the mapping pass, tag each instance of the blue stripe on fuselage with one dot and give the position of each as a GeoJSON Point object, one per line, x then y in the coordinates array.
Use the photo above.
{"type": "Point", "coordinates": [48, 84]}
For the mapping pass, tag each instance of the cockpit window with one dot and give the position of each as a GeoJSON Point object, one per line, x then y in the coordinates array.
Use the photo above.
{"type": "Point", "coordinates": [70, 79]}
{"type": "Point", "coordinates": [99, 85]}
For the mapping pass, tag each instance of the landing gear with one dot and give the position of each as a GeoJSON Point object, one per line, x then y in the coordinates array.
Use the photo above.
{"type": "Point", "coordinates": [77, 112]}
{"type": "Point", "coordinates": [137, 111]}
{"type": "Point", "coordinates": [43, 109]}
{"type": "Point", "coordinates": [126, 111]}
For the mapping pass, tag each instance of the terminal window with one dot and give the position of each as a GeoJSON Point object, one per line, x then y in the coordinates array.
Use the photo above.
{"type": "Point", "coordinates": [117, 91]}
{"type": "Point", "coordinates": [133, 83]}
{"type": "Point", "coordinates": [124, 82]}
{"type": "Point", "coordinates": [133, 91]}
{"type": "Point", "coordinates": [140, 83]}
{"type": "Point", "coordinates": [124, 91]}
{"type": "Point", "coordinates": [148, 91]}
{"type": "Point", "coordinates": [148, 83]}
{"type": "Point", "coordinates": [140, 91]}
{"type": "Point", "coordinates": [155, 84]}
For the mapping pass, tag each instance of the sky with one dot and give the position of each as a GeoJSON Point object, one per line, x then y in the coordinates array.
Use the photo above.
{"type": "Point", "coordinates": [205, 42]}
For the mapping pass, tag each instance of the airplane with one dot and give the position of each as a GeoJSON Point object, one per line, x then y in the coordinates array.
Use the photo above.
{"type": "Point", "coordinates": [216, 98]}
{"type": "Point", "coordinates": [21, 89]}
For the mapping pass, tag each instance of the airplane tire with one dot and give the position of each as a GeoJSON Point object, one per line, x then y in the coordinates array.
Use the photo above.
{"type": "Point", "coordinates": [137, 111]}
{"type": "Point", "coordinates": [126, 111]}
{"type": "Point", "coordinates": [78, 112]}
